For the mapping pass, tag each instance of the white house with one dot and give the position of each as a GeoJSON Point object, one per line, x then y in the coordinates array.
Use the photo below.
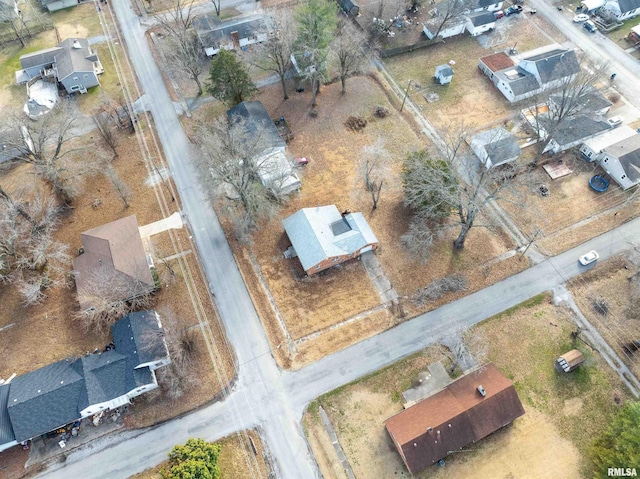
{"type": "Point", "coordinates": [485, 5]}
{"type": "Point", "coordinates": [452, 28]}
{"type": "Point", "coordinates": [274, 169]}
{"type": "Point", "coordinates": [215, 35]}
{"type": "Point", "coordinates": [523, 76]}
{"type": "Point", "coordinates": [480, 22]}
{"type": "Point", "coordinates": [495, 147]}
{"type": "Point", "coordinates": [621, 161]}
{"type": "Point", "coordinates": [623, 9]}
{"type": "Point", "coordinates": [592, 148]}
{"type": "Point", "coordinates": [591, 5]}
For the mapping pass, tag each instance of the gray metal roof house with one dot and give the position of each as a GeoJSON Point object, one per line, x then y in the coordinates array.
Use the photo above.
{"type": "Point", "coordinates": [323, 237]}
{"type": "Point", "coordinates": [241, 32]}
{"type": "Point", "coordinates": [622, 161]}
{"type": "Point", "coordinates": [495, 147]}
{"type": "Point", "coordinates": [72, 64]}
{"type": "Point", "coordinates": [444, 74]}
{"type": "Point", "coordinates": [58, 394]}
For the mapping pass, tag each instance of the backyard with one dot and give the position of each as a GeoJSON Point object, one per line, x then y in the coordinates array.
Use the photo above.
{"type": "Point", "coordinates": [563, 412]}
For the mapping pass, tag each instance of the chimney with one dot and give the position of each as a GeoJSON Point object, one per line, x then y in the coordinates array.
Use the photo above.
{"type": "Point", "coordinates": [76, 44]}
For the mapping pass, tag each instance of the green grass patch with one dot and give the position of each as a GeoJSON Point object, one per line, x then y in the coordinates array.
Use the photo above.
{"type": "Point", "coordinates": [619, 34]}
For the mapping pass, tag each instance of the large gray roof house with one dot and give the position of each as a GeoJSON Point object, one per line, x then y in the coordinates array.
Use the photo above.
{"type": "Point", "coordinates": [322, 237]}
{"type": "Point", "coordinates": [534, 72]}
{"type": "Point", "coordinates": [215, 35]}
{"type": "Point", "coordinates": [71, 63]}
{"type": "Point", "coordinates": [58, 394]}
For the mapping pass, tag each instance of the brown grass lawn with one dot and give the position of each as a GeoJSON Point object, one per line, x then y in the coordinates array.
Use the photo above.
{"type": "Point", "coordinates": [312, 304]}
{"type": "Point", "coordinates": [570, 201]}
{"type": "Point", "coordinates": [471, 96]}
{"type": "Point", "coordinates": [563, 412]}
{"type": "Point", "coordinates": [610, 281]}
{"type": "Point", "coordinates": [232, 460]}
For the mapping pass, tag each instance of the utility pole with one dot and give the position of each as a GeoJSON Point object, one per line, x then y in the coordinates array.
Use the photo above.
{"type": "Point", "coordinates": [537, 231]}
{"type": "Point", "coordinates": [406, 93]}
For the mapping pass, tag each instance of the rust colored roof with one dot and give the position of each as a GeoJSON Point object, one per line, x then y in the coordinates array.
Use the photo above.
{"type": "Point", "coordinates": [454, 417]}
{"type": "Point", "coordinates": [497, 61]}
{"type": "Point", "coordinates": [113, 248]}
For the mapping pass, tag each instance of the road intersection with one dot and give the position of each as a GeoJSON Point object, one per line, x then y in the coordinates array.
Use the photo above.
{"type": "Point", "coordinates": [265, 396]}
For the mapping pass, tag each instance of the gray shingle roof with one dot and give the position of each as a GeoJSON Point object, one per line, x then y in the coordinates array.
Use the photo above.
{"type": "Point", "coordinates": [482, 18]}
{"type": "Point", "coordinates": [499, 144]}
{"type": "Point", "coordinates": [628, 153]}
{"type": "Point", "coordinates": [104, 376]}
{"type": "Point", "coordinates": [73, 57]}
{"type": "Point", "coordinates": [577, 128]}
{"type": "Point", "coordinates": [41, 57]}
{"type": "Point", "coordinates": [555, 64]}
{"type": "Point", "coordinates": [44, 399]}
{"type": "Point", "coordinates": [138, 335]}
{"type": "Point", "coordinates": [444, 70]}
{"type": "Point", "coordinates": [591, 101]}
{"type": "Point", "coordinates": [628, 5]}
{"type": "Point", "coordinates": [314, 239]}
{"type": "Point", "coordinates": [523, 84]}
{"type": "Point", "coordinates": [212, 32]}
{"type": "Point", "coordinates": [6, 431]}
{"type": "Point", "coordinates": [257, 120]}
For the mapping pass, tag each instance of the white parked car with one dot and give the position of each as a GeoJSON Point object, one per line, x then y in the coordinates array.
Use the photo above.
{"type": "Point", "coordinates": [589, 258]}
{"type": "Point", "coordinates": [581, 17]}
{"type": "Point", "coordinates": [614, 121]}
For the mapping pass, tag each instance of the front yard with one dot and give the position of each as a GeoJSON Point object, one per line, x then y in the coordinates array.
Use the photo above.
{"type": "Point", "coordinates": [564, 412]}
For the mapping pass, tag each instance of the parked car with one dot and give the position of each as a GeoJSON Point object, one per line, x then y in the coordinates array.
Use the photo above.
{"type": "Point", "coordinates": [588, 258]}
{"type": "Point", "coordinates": [590, 26]}
{"type": "Point", "coordinates": [513, 9]}
{"type": "Point", "coordinates": [581, 17]}
{"type": "Point", "coordinates": [614, 121]}
{"type": "Point", "coordinates": [498, 14]}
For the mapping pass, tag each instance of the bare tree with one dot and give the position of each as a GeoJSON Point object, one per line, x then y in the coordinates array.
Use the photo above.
{"type": "Point", "coordinates": [45, 145]}
{"type": "Point", "coordinates": [374, 168]}
{"type": "Point", "coordinates": [453, 193]}
{"type": "Point", "coordinates": [121, 187]}
{"type": "Point", "coordinates": [105, 124]}
{"type": "Point", "coordinates": [573, 96]}
{"type": "Point", "coordinates": [187, 57]}
{"type": "Point", "coordinates": [29, 256]}
{"type": "Point", "coordinates": [181, 47]}
{"type": "Point", "coordinates": [275, 55]}
{"type": "Point", "coordinates": [233, 161]}
{"type": "Point", "coordinates": [349, 51]}
{"type": "Point", "coordinates": [447, 12]}
{"type": "Point", "coordinates": [107, 295]}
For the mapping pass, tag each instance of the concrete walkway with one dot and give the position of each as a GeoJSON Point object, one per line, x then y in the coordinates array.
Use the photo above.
{"type": "Point", "coordinates": [380, 281]}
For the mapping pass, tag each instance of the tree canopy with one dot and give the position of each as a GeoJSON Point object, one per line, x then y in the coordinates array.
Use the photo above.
{"type": "Point", "coordinates": [197, 459]}
{"type": "Point", "coordinates": [620, 445]}
{"type": "Point", "coordinates": [229, 80]}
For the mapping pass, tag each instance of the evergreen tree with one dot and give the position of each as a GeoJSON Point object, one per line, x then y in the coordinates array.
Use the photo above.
{"type": "Point", "coordinates": [229, 79]}
{"type": "Point", "coordinates": [620, 445]}
{"type": "Point", "coordinates": [197, 459]}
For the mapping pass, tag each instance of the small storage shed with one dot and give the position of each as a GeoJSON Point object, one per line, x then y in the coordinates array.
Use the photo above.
{"type": "Point", "coordinates": [570, 361]}
{"type": "Point", "coordinates": [350, 7]}
{"type": "Point", "coordinates": [444, 74]}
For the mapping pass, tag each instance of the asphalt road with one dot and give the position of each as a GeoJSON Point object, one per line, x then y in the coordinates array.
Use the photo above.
{"type": "Point", "coordinates": [598, 48]}
{"type": "Point", "coordinates": [264, 395]}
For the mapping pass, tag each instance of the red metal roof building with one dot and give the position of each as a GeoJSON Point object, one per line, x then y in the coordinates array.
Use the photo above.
{"type": "Point", "coordinates": [455, 417]}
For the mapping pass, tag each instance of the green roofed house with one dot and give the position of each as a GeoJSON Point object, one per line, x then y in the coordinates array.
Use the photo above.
{"type": "Point", "coordinates": [61, 393]}
{"type": "Point", "coordinates": [323, 237]}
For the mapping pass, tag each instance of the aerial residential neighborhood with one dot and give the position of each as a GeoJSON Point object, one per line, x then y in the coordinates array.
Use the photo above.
{"type": "Point", "coordinates": [319, 238]}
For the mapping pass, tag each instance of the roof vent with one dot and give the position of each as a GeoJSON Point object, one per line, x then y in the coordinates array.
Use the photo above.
{"type": "Point", "coordinates": [38, 391]}
{"type": "Point", "coordinates": [61, 382]}
{"type": "Point", "coordinates": [76, 44]}
{"type": "Point", "coordinates": [481, 390]}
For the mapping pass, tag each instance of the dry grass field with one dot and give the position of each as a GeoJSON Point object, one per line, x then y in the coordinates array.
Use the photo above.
{"type": "Point", "coordinates": [563, 412]}
{"type": "Point", "coordinates": [616, 283]}
{"type": "Point", "coordinates": [329, 311]}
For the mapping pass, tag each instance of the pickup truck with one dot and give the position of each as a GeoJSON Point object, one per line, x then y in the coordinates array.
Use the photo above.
{"type": "Point", "coordinates": [513, 9]}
